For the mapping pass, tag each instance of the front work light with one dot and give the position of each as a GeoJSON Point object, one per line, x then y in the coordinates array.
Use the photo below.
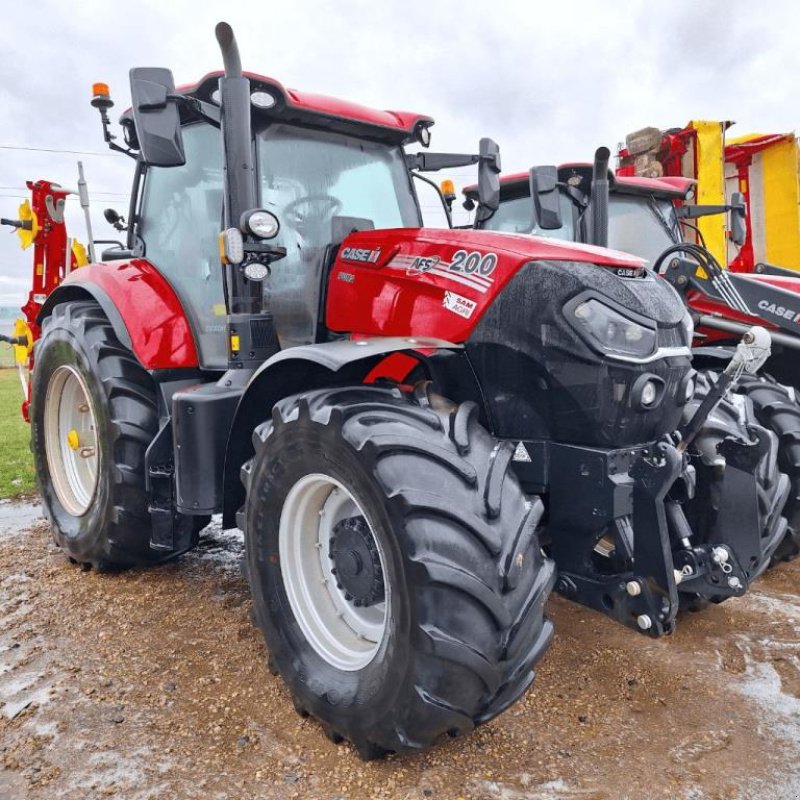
{"type": "Point", "coordinates": [260, 222]}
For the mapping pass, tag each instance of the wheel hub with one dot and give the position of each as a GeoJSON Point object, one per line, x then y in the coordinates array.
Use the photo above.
{"type": "Point", "coordinates": [71, 440]}
{"type": "Point", "coordinates": [356, 562]}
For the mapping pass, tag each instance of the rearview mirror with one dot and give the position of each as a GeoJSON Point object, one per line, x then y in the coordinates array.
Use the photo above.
{"type": "Point", "coordinates": [738, 219]}
{"type": "Point", "coordinates": [488, 179]}
{"type": "Point", "coordinates": [546, 198]}
{"type": "Point", "coordinates": [156, 117]}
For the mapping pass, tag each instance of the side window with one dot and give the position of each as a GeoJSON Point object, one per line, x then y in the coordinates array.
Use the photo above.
{"type": "Point", "coordinates": [516, 216]}
{"type": "Point", "coordinates": [308, 178]}
{"type": "Point", "coordinates": [179, 223]}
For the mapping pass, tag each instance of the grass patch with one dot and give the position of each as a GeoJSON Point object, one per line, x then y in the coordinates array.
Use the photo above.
{"type": "Point", "coordinates": [6, 352]}
{"type": "Point", "coordinates": [16, 463]}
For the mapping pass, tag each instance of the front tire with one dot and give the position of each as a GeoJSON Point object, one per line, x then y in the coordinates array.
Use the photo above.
{"type": "Point", "coordinates": [428, 531]}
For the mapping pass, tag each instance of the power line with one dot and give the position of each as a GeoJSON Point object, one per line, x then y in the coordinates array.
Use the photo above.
{"type": "Point", "coordinates": [92, 192]}
{"type": "Point", "coordinates": [54, 150]}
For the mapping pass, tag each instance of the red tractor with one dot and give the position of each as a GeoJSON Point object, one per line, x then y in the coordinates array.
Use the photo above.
{"type": "Point", "coordinates": [584, 202]}
{"type": "Point", "coordinates": [398, 418]}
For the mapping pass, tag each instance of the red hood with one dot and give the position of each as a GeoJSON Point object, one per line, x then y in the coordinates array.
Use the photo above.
{"type": "Point", "coordinates": [430, 282]}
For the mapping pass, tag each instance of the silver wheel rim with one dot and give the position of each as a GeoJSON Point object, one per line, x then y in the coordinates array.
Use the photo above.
{"type": "Point", "coordinates": [345, 635]}
{"type": "Point", "coordinates": [70, 440]}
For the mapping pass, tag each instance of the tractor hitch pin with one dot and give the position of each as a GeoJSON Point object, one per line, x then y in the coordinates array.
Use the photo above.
{"type": "Point", "coordinates": [750, 354]}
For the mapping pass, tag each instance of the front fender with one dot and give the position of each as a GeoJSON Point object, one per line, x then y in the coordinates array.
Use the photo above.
{"type": "Point", "coordinates": [308, 367]}
{"type": "Point", "coordinates": [146, 313]}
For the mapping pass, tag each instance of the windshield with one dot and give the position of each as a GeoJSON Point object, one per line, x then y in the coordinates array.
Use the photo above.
{"type": "Point", "coordinates": [515, 215]}
{"type": "Point", "coordinates": [307, 179]}
{"type": "Point", "coordinates": [642, 226]}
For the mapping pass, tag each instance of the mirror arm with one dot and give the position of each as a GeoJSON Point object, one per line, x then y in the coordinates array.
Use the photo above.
{"type": "Point", "coordinates": [433, 162]}
{"type": "Point", "coordinates": [205, 111]}
{"type": "Point", "coordinates": [693, 212]}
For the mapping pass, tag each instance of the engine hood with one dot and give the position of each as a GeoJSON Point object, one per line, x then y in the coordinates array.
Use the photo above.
{"type": "Point", "coordinates": [432, 282]}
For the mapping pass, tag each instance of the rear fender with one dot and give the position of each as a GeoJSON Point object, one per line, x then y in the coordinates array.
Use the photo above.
{"type": "Point", "coordinates": [301, 369]}
{"type": "Point", "coordinates": [143, 308]}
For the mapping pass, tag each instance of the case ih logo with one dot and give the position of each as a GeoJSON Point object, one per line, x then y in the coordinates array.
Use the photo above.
{"type": "Point", "coordinates": [630, 272]}
{"type": "Point", "coordinates": [472, 269]}
{"type": "Point", "coordinates": [359, 254]}
{"type": "Point", "coordinates": [779, 311]}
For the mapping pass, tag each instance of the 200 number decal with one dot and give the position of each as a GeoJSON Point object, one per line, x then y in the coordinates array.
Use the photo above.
{"type": "Point", "coordinates": [473, 263]}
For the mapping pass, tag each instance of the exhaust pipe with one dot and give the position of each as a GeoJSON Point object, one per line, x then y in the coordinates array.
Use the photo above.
{"type": "Point", "coordinates": [239, 178]}
{"type": "Point", "coordinates": [231, 60]}
{"type": "Point", "coordinates": [598, 203]}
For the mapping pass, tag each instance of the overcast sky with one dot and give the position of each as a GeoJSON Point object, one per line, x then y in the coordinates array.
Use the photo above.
{"type": "Point", "coordinates": [548, 81]}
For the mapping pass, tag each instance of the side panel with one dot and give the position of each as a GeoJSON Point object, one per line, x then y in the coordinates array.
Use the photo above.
{"type": "Point", "coordinates": [781, 203]}
{"type": "Point", "coordinates": [159, 331]}
{"type": "Point", "coordinates": [709, 155]}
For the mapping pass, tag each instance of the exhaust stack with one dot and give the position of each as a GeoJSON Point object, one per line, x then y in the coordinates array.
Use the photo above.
{"type": "Point", "coordinates": [598, 203]}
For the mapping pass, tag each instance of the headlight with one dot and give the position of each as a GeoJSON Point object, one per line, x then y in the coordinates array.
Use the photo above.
{"type": "Point", "coordinates": [610, 332]}
{"type": "Point", "coordinates": [647, 392]}
{"type": "Point", "coordinates": [686, 388]}
{"type": "Point", "coordinates": [260, 222]}
{"type": "Point", "coordinates": [255, 271]}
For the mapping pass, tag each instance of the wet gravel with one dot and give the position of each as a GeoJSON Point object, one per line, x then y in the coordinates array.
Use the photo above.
{"type": "Point", "coordinates": [153, 685]}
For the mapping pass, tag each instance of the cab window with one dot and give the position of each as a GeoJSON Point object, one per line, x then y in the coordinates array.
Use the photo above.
{"type": "Point", "coordinates": [307, 179]}
{"type": "Point", "coordinates": [180, 219]}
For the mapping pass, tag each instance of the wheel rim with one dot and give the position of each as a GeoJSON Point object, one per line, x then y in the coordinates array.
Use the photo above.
{"type": "Point", "coordinates": [70, 439]}
{"type": "Point", "coordinates": [345, 635]}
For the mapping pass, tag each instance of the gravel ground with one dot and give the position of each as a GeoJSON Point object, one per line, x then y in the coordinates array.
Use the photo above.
{"type": "Point", "coordinates": [153, 685]}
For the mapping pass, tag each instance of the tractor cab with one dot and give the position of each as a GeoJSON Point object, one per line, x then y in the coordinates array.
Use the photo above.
{"type": "Point", "coordinates": [641, 213]}
{"type": "Point", "coordinates": [323, 168]}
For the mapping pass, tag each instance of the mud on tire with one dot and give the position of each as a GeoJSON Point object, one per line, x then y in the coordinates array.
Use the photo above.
{"type": "Point", "coordinates": [114, 531]}
{"type": "Point", "coordinates": [464, 578]}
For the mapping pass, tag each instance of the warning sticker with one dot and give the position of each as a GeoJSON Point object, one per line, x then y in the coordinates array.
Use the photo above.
{"type": "Point", "coordinates": [521, 453]}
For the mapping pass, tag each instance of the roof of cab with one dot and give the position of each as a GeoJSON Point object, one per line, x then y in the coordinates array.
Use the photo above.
{"type": "Point", "coordinates": [318, 110]}
{"type": "Point", "coordinates": [674, 188]}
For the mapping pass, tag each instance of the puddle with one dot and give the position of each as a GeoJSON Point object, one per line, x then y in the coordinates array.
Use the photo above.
{"type": "Point", "coordinates": [225, 549]}
{"type": "Point", "coordinates": [16, 517]}
{"type": "Point", "coordinates": [550, 790]}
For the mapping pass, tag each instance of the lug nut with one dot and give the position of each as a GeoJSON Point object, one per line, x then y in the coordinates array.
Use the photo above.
{"type": "Point", "coordinates": [644, 622]}
{"type": "Point", "coordinates": [734, 582]}
{"type": "Point", "coordinates": [633, 588]}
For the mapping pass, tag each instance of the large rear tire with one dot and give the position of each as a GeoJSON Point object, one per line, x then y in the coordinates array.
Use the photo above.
{"type": "Point", "coordinates": [410, 506]}
{"type": "Point", "coordinates": [93, 415]}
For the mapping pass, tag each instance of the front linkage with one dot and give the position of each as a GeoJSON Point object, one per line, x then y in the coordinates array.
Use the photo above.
{"type": "Point", "coordinates": [617, 526]}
